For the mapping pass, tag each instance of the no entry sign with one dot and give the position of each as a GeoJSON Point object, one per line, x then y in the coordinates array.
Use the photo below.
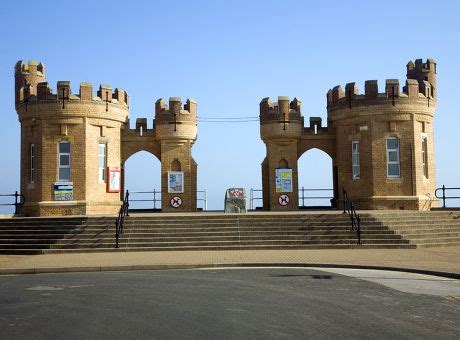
{"type": "Point", "coordinates": [284, 200]}
{"type": "Point", "coordinates": [176, 201]}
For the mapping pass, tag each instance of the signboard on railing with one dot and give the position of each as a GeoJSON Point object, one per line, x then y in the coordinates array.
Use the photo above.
{"type": "Point", "coordinates": [283, 180]}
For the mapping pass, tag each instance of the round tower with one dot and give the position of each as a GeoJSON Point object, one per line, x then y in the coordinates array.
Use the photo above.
{"type": "Point", "coordinates": [281, 126]}
{"type": "Point", "coordinates": [176, 132]}
{"type": "Point", "coordinates": [385, 142]}
{"type": "Point", "coordinates": [70, 145]}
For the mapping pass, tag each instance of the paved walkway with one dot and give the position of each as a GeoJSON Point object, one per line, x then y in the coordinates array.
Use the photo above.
{"type": "Point", "coordinates": [442, 260]}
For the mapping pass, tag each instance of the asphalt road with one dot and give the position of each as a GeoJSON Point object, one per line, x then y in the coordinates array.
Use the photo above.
{"type": "Point", "coordinates": [229, 304]}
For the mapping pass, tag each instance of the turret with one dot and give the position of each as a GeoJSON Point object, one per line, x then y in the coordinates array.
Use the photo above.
{"type": "Point", "coordinates": [175, 121]}
{"type": "Point", "coordinates": [27, 77]}
{"type": "Point", "coordinates": [280, 119]}
{"type": "Point", "coordinates": [423, 72]}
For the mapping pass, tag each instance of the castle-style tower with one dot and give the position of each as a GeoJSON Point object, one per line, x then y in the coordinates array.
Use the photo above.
{"type": "Point", "coordinates": [381, 144]}
{"type": "Point", "coordinates": [171, 141]}
{"type": "Point", "coordinates": [73, 146]}
{"type": "Point", "coordinates": [67, 142]}
{"type": "Point", "coordinates": [281, 126]}
{"type": "Point", "coordinates": [391, 137]}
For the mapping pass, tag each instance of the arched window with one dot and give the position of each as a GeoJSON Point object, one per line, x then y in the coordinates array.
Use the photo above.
{"type": "Point", "coordinates": [283, 164]}
{"type": "Point", "coordinates": [175, 165]}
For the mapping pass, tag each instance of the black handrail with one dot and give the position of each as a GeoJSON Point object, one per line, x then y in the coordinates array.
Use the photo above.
{"type": "Point", "coordinates": [348, 208]}
{"type": "Point", "coordinates": [444, 197]}
{"type": "Point", "coordinates": [123, 212]}
{"type": "Point", "coordinates": [16, 203]}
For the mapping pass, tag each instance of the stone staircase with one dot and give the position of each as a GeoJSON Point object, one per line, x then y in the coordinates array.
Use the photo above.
{"type": "Point", "coordinates": [194, 232]}
{"type": "Point", "coordinates": [423, 229]}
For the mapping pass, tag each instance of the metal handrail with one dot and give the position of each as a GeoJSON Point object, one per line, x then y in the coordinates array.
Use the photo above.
{"type": "Point", "coordinates": [16, 203]}
{"type": "Point", "coordinates": [348, 208]}
{"type": "Point", "coordinates": [444, 197]}
{"type": "Point", "coordinates": [122, 213]}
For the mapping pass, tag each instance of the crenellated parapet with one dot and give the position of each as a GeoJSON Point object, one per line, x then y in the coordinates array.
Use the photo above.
{"type": "Point", "coordinates": [35, 98]}
{"type": "Point", "coordinates": [418, 91]}
{"type": "Point", "coordinates": [283, 109]}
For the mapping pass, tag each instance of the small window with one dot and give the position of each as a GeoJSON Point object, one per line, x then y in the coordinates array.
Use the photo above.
{"type": "Point", "coordinates": [283, 164]}
{"type": "Point", "coordinates": [102, 162]}
{"type": "Point", "coordinates": [355, 160]}
{"type": "Point", "coordinates": [425, 156]}
{"type": "Point", "coordinates": [32, 163]}
{"type": "Point", "coordinates": [393, 165]}
{"type": "Point", "coordinates": [64, 161]}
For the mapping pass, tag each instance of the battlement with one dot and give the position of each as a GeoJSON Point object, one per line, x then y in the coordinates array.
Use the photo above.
{"type": "Point", "coordinates": [283, 108]}
{"type": "Point", "coordinates": [175, 108]}
{"type": "Point", "coordinates": [42, 93]}
{"type": "Point", "coordinates": [413, 90]}
{"type": "Point", "coordinates": [420, 85]}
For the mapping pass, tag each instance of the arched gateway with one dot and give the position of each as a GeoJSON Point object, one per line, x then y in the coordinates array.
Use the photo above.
{"type": "Point", "coordinates": [73, 147]}
{"type": "Point", "coordinates": [381, 144]}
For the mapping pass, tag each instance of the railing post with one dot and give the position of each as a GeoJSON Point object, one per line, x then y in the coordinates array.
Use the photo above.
{"type": "Point", "coordinates": [16, 203]}
{"type": "Point", "coordinates": [205, 200]}
{"type": "Point", "coordinates": [443, 196]}
{"type": "Point", "coordinates": [303, 196]}
{"type": "Point", "coordinates": [127, 203]}
{"type": "Point", "coordinates": [250, 199]}
{"type": "Point", "coordinates": [154, 200]}
{"type": "Point", "coordinates": [343, 196]}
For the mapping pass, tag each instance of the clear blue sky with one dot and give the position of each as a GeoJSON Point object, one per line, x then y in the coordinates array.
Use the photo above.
{"type": "Point", "coordinates": [228, 55]}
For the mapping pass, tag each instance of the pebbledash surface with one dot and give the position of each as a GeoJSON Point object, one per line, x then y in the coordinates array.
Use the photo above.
{"type": "Point", "coordinates": [74, 146]}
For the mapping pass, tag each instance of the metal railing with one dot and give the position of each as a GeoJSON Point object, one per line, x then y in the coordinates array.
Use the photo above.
{"type": "Point", "coordinates": [156, 198]}
{"type": "Point", "coordinates": [16, 202]}
{"type": "Point", "coordinates": [348, 208]}
{"type": "Point", "coordinates": [252, 198]}
{"type": "Point", "coordinates": [155, 193]}
{"type": "Point", "coordinates": [444, 197]}
{"type": "Point", "coordinates": [302, 196]}
{"type": "Point", "coordinates": [123, 212]}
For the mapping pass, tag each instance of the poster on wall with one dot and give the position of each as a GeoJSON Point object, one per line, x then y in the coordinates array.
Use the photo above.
{"type": "Point", "coordinates": [283, 178]}
{"type": "Point", "coordinates": [63, 191]}
{"type": "Point", "coordinates": [114, 179]}
{"type": "Point", "coordinates": [175, 182]}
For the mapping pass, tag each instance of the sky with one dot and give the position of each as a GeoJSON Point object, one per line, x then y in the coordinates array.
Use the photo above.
{"type": "Point", "coordinates": [228, 55]}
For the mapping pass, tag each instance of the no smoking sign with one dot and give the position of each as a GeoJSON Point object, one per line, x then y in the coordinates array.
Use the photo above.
{"type": "Point", "coordinates": [284, 200]}
{"type": "Point", "coordinates": [176, 202]}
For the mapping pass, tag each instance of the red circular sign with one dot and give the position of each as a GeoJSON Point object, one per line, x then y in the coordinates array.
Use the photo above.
{"type": "Point", "coordinates": [176, 201]}
{"type": "Point", "coordinates": [284, 200]}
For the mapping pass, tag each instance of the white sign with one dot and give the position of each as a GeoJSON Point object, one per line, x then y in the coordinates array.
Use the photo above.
{"type": "Point", "coordinates": [114, 176]}
{"type": "Point", "coordinates": [176, 202]}
{"type": "Point", "coordinates": [63, 191]}
{"type": "Point", "coordinates": [283, 178]}
{"type": "Point", "coordinates": [284, 200]}
{"type": "Point", "coordinates": [175, 182]}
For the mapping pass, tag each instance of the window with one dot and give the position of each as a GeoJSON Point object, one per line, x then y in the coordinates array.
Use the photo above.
{"type": "Point", "coordinates": [393, 166]}
{"type": "Point", "coordinates": [355, 159]}
{"type": "Point", "coordinates": [102, 162]}
{"type": "Point", "coordinates": [32, 163]}
{"type": "Point", "coordinates": [64, 161]}
{"type": "Point", "coordinates": [424, 156]}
